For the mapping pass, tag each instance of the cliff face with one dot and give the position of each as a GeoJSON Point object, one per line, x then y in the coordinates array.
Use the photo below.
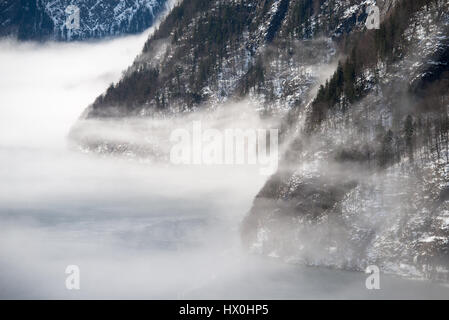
{"type": "Point", "coordinates": [363, 179]}
{"type": "Point", "coordinates": [207, 52]}
{"type": "Point", "coordinates": [46, 20]}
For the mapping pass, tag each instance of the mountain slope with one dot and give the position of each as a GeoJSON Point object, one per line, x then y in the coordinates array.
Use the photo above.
{"type": "Point", "coordinates": [208, 51]}
{"type": "Point", "coordinates": [365, 181]}
{"type": "Point", "coordinates": [365, 132]}
{"type": "Point", "coordinates": [45, 19]}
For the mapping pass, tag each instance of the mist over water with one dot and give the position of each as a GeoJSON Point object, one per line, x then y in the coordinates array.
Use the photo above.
{"type": "Point", "coordinates": [136, 230]}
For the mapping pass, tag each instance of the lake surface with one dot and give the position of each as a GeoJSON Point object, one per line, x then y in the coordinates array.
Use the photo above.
{"type": "Point", "coordinates": [136, 230]}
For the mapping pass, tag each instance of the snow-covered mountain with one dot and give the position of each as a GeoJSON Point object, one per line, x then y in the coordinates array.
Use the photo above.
{"type": "Point", "coordinates": [209, 51]}
{"type": "Point", "coordinates": [47, 19]}
{"type": "Point", "coordinates": [365, 123]}
{"type": "Point", "coordinates": [365, 180]}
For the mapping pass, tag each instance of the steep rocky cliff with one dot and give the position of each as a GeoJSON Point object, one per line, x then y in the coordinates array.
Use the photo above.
{"type": "Point", "coordinates": [206, 52]}
{"type": "Point", "coordinates": [365, 181]}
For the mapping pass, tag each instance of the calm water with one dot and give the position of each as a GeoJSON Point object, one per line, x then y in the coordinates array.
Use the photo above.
{"type": "Point", "coordinates": [136, 230]}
